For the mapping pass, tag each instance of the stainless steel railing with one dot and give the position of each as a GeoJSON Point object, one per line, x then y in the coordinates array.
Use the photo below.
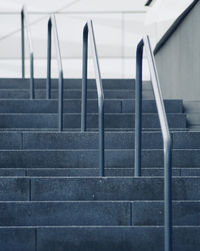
{"type": "Point", "coordinates": [145, 43]}
{"type": "Point", "coordinates": [25, 24]}
{"type": "Point", "coordinates": [88, 29]}
{"type": "Point", "coordinates": [52, 26]}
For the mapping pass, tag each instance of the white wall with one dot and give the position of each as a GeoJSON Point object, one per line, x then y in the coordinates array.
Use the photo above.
{"type": "Point", "coordinates": [117, 34]}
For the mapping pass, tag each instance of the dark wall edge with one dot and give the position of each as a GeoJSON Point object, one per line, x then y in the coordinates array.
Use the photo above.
{"type": "Point", "coordinates": [174, 26]}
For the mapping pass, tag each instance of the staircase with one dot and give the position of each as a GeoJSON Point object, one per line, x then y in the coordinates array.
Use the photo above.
{"type": "Point", "coordinates": [52, 197]}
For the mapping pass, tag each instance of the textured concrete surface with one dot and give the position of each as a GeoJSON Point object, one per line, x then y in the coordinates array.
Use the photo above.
{"type": "Point", "coordinates": [51, 195]}
{"type": "Point", "coordinates": [73, 121]}
{"type": "Point", "coordinates": [185, 213]}
{"type": "Point", "coordinates": [17, 239]}
{"type": "Point", "coordinates": [14, 189]}
{"type": "Point", "coordinates": [65, 214]}
{"type": "Point", "coordinates": [110, 188]}
{"type": "Point", "coordinates": [74, 106]}
{"type": "Point", "coordinates": [89, 158]}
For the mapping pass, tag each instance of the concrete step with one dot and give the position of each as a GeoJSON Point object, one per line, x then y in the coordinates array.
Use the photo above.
{"type": "Point", "coordinates": [109, 172]}
{"type": "Point", "coordinates": [19, 83]}
{"type": "Point", "coordinates": [89, 158]}
{"type": "Point", "coordinates": [76, 140]}
{"type": "Point", "coordinates": [113, 140]}
{"type": "Point", "coordinates": [91, 172]}
{"type": "Point", "coordinates": [73, 121]}
{"type": "Point", "coordinates": [94, 172]}
{"type": "Point", "coordinates": [74, 106]}
{"type": "Point", "coordinates": [65, 213]}
{"type": "Point", "coordinates": [147, 213]}
{"type": "Point", "coordinates": [96, 238]}
{"type": "Point", "coordinates": [89, 140]}
{"type": "Point", "coordinates": [73, 94]}
{"type": "Point", "coordinates": [95, 188]}
{"type": "Point", "coordinates": [97, 213]}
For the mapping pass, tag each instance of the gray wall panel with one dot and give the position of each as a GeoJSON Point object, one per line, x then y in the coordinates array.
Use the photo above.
{"type": "Point", "coordinates": [178, 61]}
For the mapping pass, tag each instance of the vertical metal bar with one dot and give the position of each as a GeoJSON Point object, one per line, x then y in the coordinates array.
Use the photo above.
{"type": "Point", "coordinates": [32, 88]}
{"type": "Point", "coordinates": [123, 44]}
{"type": "Point", "coordinates": [101, 138]}
{"type": "Point", "coordinates": [138, 109]}
{"type": "Point", "coordinates": [22, 44]}
{"type": "Point", "coordinates": [100, 97]}
{"type": "Point", "coordinates": [84, 80]}
{"type": "Point", "coordinates": [168, 196]}
{"type": "Point", "coordinates": [60, 102]}
{"type": "Point", "coordinates": [48, 83]}
{"type": "Point", "coordinates": [167, 147]}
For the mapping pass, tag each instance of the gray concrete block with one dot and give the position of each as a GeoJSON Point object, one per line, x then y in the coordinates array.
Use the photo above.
{"type": "Point", "coordinates": [185, 213]}
{"type": "Point", "coordinates": [76, 158]}
{"type": "Point", "coordinates": [186, 158]}
{"type": "Point", "coordinates": [88, 172]}
{"type": "Point", "coordinates": [92, 94]}
{"type": "Point", "coordinates": [99, 238]}
{"type": "Point", "coordinates": [89, 158]}
{"type": "Point", "coordinates": [186, 140]}
{"type": "Point", "coordinates": [112, 238]}
{"type": "Point", "coordinates": [73, 94]}
{"type": "Point", "coordinates": [14, 189]}
{"type": "Point", "coordinates": [18, 83]}
{"type": "Point", "coordinates": [12, 172]}
{"type": "Point", "coordinates": [17, 239]}
{"type": "Point", "coordinates": [44, 189]}
{"type": "Point", "coordinates": [112, 188]}
{"type": "Point", "coordinates": [149, 106]}
{"type": "Point", "coordinates": [190, 172]}
{"type": "Point", "coordinates": [51, 106]}
{"type": "Point", "coordinates": [73, 121]}
{"type": "Point", "coordinates": [11, 140]}
{"type": "Point", "coordinates": [65, 214]}
{"type": "Point", "coordinates": [89, 140]}
{"type": "Point", "coordinates": [14, 94]}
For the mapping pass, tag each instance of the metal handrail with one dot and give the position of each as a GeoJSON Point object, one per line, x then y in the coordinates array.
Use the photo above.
{"type": "Point", "coordinates": [52, 25]}
{"type": "Point", "coordinates": [88, 29]}
{"type": "Point", "coordinates": [25, 24]}
{"type": "Point", "coordinates": [145, 43]}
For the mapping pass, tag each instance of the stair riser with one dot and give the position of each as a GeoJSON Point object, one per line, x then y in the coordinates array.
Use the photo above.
{"type": "Point", "coordinates": [73, 121]}
{"type": "Point", "coordinates": [65, 214]}
{"type": "Point", "coordinates": [89, 140]}
{"type": "Point", "coordinates": [152, 213]}
{"type": "Point", "coordinates": [96, 238]}
{"type": "Point", "coordinates": [96, 214]}
{"type": "Point", "coordinates": [71, 83]}
{"type": "Point", "coordinates": [94, 189]}
{"type": "Point", "coordinates": [89, 172]}
{"type": "Point", "coordinates": [72, 94]}
{"type": "Point", "coordinates": [74, 106]}
{"type": "Point", "coordinates": [89, 159]}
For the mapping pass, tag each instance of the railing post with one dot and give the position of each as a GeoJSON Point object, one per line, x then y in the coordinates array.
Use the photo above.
{"type": "Point", "coordinates": [167, 146]}
{"type": "Point", "coordinates": [60, 102]}
{"type": "Point", "coordinates": [22, 44]}
{"type": "Point", "coordinates": [32, 87]}
{"type": "Point", "coordinates": [168, 196]}
{"type": "Point", "coordinates": [84, 80]}
{"type": "Point", "coordinates": [101, 137]}
{"type": "Point", "coordinates": [138, 109]}
{"type": "Point", "coordinates": [48, 83]}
